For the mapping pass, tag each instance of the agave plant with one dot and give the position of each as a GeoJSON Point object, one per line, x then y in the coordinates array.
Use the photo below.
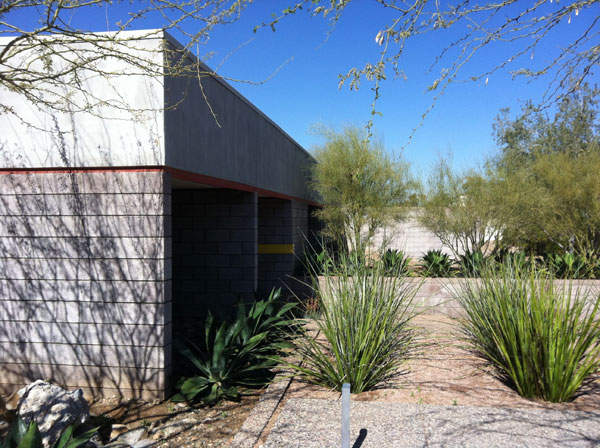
{"type": "Point", "coordinates": [395, 263]}
{"type": "Point", "coordinates": [22, 435]}
{"type": "Point", "coordinates": [472, 263]}
{"type": "Point", "coordinates": [569, 265]}
{"type": "Point", "coordinates": [235, 353]}
{"type": "Point", "coordinates": [435, 263]}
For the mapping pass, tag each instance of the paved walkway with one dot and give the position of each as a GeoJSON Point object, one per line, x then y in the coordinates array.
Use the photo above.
{"type": "Point", "coordinates": [316, 423]}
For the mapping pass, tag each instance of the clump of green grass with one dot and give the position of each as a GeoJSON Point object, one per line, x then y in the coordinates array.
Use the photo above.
{"type": "Point", "coordinates": [541, 337]}
{"type": "Point", "coordinates": [364, 327]}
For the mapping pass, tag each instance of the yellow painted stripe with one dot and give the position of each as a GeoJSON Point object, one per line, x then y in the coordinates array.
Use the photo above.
{"type": "Point", "coordinates": [275, 248]}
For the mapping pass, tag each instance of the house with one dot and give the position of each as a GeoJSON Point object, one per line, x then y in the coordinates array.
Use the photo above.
{"type": "Point", "coordinates": [123, 222]}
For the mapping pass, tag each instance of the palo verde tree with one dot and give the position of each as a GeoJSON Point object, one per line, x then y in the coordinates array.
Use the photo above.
{"type": "Point", "coordinates": [461, 209]}
{"type": "Point", "coordinates": [360, 185]}
{"type": "Point", "coordinates": [550, 165]}
{"type": "Point", "coordinates": [506, 32]}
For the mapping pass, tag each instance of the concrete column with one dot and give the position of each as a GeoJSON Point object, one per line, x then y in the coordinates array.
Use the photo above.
{"type": "Point", "coordinates": [85, 281]}
{"type": "Point", "coordinates": [282, 229]}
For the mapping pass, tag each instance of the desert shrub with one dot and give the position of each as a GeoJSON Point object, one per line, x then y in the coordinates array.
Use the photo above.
{"type": "Point", "coordinates": [364, 328]}
{"type": "Point", "coordinates": [23, 435]}
{"type": "Point", "coordinates": [472, 263]}
{"type": "Point", "coordinates": [541, 338]}
{"type": "Point", "coordinates": [437, 264]}
{"type": "Point", "coordinates": [395, 263]}
{"type": "Point", "coordinates": [233, 353]}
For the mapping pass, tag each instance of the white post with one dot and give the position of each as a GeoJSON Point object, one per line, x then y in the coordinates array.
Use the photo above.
{"type": "Point", "coordinates": [346, 415]}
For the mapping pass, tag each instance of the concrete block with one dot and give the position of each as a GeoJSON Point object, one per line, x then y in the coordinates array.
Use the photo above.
{"type": "Point", "coordinates": [86, 312]}
{"type": "Point", "coordinates": [218, 210]}
{"type": "Point", "coordinates": [243, 235]}
{"type": "Point", "coordinates": [242, 286]}
{"type": "Point", "coordinates": [249, 248]}
{"type": "Point", "coordinates": [230, 248]}
{"type": "Point", "coordinates": [85, 333]}
{"type": "Point", "coordinates": [123, 291]}
{"type": "Point", "coordinates": [217, 235]}
{"type": "Point", "coordinates": [85, 247]}
{"type": "Point", "coordinates": [84, 269]}
{"type": "Point", "coordinates": [79, 204]}
{"type": "Point", "coordinates": [92, 226]}
{"type": "Point", "coordinates": [118, 380]}
{"type": "Point", "coordinates": [81, 354]}
{"type": "Point", "coordinates": [84, 182]}
{"type": "Point", "coordinates": [231, 273]}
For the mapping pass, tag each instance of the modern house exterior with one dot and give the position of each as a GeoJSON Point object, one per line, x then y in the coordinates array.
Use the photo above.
{"type": "Point", "coordinates": [116, 231]}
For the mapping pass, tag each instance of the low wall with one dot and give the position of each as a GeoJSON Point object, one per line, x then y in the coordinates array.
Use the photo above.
{"type": "Point", "coordinates": [436, 295]}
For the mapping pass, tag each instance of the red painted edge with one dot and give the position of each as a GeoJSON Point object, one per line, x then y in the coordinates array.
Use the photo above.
{"type": "Point", "coordinates": [175, 172]}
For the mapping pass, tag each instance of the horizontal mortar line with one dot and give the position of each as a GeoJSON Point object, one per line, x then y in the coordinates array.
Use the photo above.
{"type": "Point", "coordinates": [145, 259]}
{"type": "Point", "coordinates": [78, 280]}
{"type": "Point", "coordinates": [84, 193]}
{"type": "Point", "coordinates": [82, 236]}
{"type": "Point", "coordinates": [81, 301]}
{"type": "Point", "coordinates": [144, 387]}
{"type": "Point", "coordinates": [79, 344]}
{"type": "Point", "coordinates": [105, 237]}
{"type": "Point", "coordinates": [75, 324]}
{"type": "Point", "coordinates": [88, 215]}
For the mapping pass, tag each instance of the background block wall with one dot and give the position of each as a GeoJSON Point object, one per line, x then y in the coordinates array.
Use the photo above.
{"type": "Point", "coordinates": [85, 281]}
{"type": "Point", "coordinates": [214, 250]}
{"type": "Point", "coordinates": [409, 236]}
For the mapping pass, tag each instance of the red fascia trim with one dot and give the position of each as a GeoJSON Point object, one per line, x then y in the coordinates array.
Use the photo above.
{"type": "Point", "coordinates": [222, 183]}
{"type": "Point", "coordinates": [175, 172]}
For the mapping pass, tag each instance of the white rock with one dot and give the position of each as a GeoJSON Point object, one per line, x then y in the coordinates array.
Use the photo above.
{"type": "Point", "coordinates": [130, 437]}
{"type": "Point", "coordinates": [53, 408]}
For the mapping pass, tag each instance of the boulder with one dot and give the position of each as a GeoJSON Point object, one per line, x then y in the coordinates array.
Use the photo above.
{"type": "Point", "coordinates": [53, 409]}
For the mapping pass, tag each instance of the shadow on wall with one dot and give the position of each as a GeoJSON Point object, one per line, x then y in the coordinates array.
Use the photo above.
{"type": "Point", "coordinates": [85, 275]}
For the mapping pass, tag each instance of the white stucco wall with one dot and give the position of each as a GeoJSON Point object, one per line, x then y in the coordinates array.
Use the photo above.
{"type": "Point", "coordinates": [124, 125]}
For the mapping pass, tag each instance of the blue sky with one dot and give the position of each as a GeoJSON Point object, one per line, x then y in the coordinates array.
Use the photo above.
{"type": "Point", "coordinates": [304, 92]}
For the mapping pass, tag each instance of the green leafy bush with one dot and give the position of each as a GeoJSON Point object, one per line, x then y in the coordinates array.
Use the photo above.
{"type": "Point", "coordinates": [235, 353]}
{"type": "Point", "coordinates": [22, 435]}
{"type": "Point", "coordinates": [395, 263]}
{"type": "Point", "coordinates": [540, 337]}
{"type": "Point", "coordinates": [364, 327]}
{"type": "Point", "coordinates": [436, 264]}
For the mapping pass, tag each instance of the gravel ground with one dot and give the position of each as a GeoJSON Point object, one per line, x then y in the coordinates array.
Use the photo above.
{"type": "Point", "coordinates": [316, 423]}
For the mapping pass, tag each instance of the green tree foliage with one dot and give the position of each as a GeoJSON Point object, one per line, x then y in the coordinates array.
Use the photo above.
{"type": "Point", "coordinates": [361, 187]}
{"type": "Point", "coordinates": [461, 209]}
{"type": "Point", "coordinates": [549, 168]}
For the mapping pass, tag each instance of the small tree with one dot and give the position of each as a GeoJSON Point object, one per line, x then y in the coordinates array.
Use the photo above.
{"type": "Point", "coordinates": [549, 166]}
{"type": "Point", "coordinates": [362, 188]}
{"type": "Point", "coordinates": [460, 209]}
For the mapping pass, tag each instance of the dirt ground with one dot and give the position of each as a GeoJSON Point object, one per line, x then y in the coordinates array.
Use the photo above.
{"type": "Point", "coordinates": [173, 425]}
{"type": "Point", "coordinates": [446, 374]}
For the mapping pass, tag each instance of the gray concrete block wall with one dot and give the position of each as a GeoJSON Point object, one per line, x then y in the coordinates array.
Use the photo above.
{"type": "Point", "coordinates": [214, 250]}
{"type": "Point", "coordinates": [280, 222]}
{"type": "Point", "coordinates": [85, 281]}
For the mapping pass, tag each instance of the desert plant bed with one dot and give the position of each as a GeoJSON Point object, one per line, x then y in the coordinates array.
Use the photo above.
{"type": "Point", "coordinates": [445, 373]}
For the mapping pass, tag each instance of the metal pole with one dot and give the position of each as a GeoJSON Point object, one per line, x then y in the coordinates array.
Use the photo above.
{"type": "Point", "coordinates": [346, 415]}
